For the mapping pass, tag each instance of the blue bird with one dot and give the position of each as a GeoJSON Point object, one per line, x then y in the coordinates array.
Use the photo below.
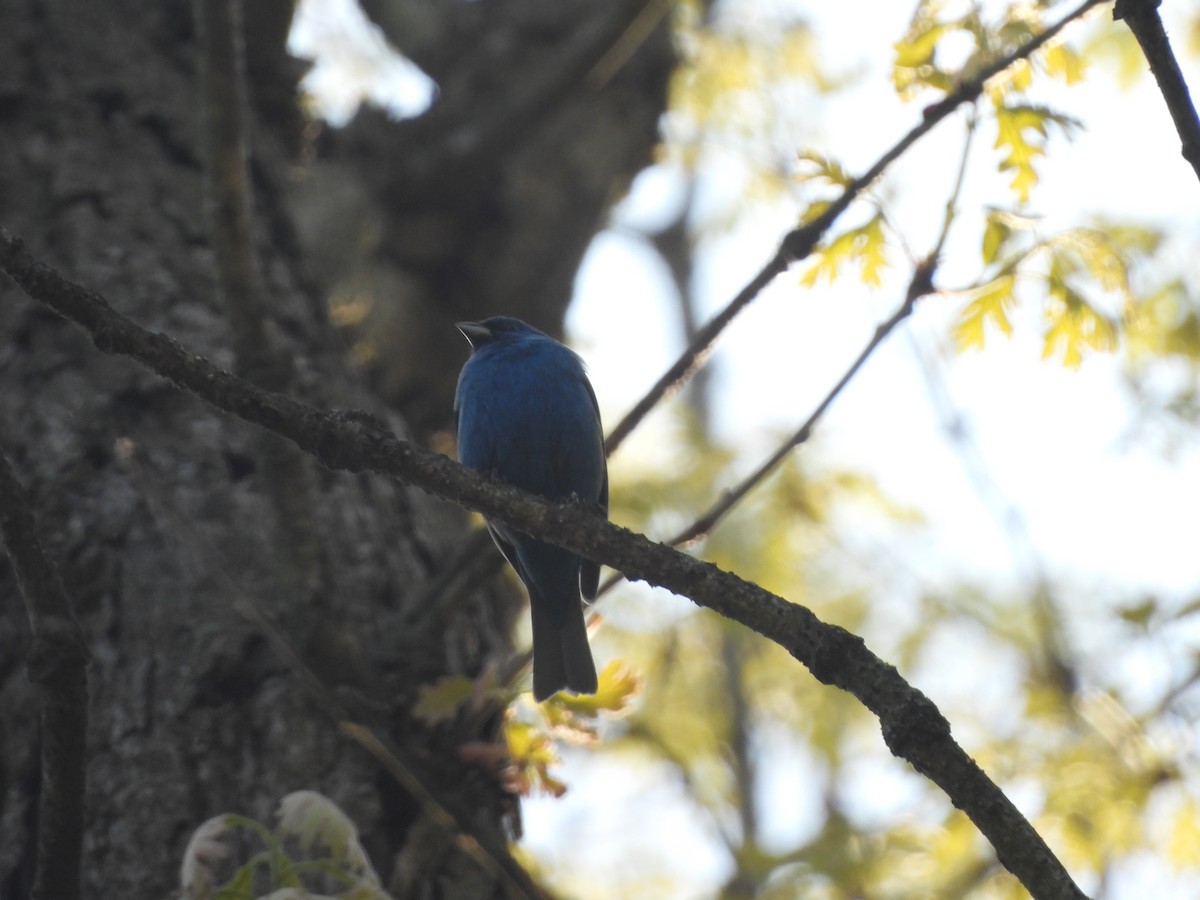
{"type": "Point", "coordinates": [528, 416]}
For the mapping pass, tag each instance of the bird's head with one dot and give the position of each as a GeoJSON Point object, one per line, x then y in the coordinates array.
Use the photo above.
{"type": "Point", "coordinates": [496, 328]}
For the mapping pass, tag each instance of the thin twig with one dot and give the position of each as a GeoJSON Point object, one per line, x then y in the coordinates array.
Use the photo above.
{"type": "Point", "coordinates": [741, 735]}
{"type": "Point", "coordinates": [920, 285]}
{"type": "Point", "coordinates": [959, 180]}
{"type": "Point", "coordinates": [913, 727]}
{"type": "Point", "coordinates": [1054, 648]}
{"type": "Point", "coordinates": [1143, 20]}
{"type": "Point", "coordinates": [58, 666]}
{"type": "Point", "coordinates": [227, 191]}
{"type": "Point", "coordinates": [471, 844]}
{"type": "Point", "coordinates": [474, 562]}
{"type": "Point", "coordinates": [636, 33]}
{"type": "Point", "coordinates": [1045, 612]}
{"type": "Point", "coordinates": [800, 242]}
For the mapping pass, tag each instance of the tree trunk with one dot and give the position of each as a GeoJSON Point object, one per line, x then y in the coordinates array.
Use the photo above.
{"type": "Point", "coordinates": [173, 525]}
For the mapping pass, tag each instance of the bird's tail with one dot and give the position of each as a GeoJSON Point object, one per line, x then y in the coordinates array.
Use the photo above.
{"type": "Point", "coordinates": [562, 658]}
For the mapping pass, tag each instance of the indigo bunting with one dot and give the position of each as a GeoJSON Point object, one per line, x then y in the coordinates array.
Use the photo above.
{"type": "Point", "coordinates": [527, 415]}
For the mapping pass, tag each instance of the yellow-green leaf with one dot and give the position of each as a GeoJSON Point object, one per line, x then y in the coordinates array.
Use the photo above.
{"type": "Point", "coordinates": [618, 684]}
{"type": "Point", "coordinates": [1183, 841]}
{"type": "Point", "coordinates": [990, 304]}
{"type": "Point", "coordinates": [866, 244]}
{"type": "Point", "coordinates": [822, 167]}
{"type": "Point", "coordinates": [532, 754]}
{"type": "Point", "coordinates": [995, 235]}
{"type": "Point", "coordinates": [1139, 613]}
{"type": "Point", "coordinates": [1063, 62]}
{"type": "Point", "coordinates": [1074, 326]}
{"type": "Point", "coordinates": [1021, 132]}
{"type": "Point", "coordinates": [441, 701]}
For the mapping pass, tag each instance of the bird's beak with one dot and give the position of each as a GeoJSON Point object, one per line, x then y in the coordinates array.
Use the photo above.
{"type": "Point", "coordinates": [474, 332]}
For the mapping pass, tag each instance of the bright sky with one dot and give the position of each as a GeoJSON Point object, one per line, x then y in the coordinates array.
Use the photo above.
{"type": "Point", "coordinates": [1110, 518]}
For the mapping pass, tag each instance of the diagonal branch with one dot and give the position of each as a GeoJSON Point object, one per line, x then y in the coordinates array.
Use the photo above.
{"type": "Point", "coordinates": [1143, 20]}
{"type": "Point", "coordinates": [800, 242]}
{"type": "Point", "coordinates": [58, 666]}
{"type": "Point", "coordinates": [912, 726]}
{"type": "Point", "coordinates": [920, 285]}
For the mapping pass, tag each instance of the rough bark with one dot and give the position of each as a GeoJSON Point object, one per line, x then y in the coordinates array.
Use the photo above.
{"type": "Point", "coordinates": [156, 507]}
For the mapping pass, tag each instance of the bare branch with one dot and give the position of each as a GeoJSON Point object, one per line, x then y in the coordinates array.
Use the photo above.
{"type": "Point", "coordinates": [920, 285]}
{"type": "Point", "coordinates": [1143, 20]}
{"type": "Point", "coordinates": [1055, 651]}
{"type": "Point", "coordinates": [227, 192]}
{"type": "Point", "coordinates": [518, 886]}
{"type": "Point", "coordinates": [58, 666]}
{"type": "Point", "coordinates": [912, 726]}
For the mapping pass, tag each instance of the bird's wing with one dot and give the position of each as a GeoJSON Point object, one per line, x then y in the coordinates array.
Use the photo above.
{"type": "Point", "coordinates": [508, 551]}
{"type": "Point", "coordinates": [589, 572]}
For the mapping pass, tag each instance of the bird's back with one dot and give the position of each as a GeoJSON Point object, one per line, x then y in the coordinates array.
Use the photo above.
{"type": "Point", "coordinates": [527, 414]}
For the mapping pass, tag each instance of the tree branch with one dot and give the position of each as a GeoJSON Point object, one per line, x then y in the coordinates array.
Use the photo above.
{"type": "Point", "coordinates": [920, 285]}
{"type": "Point", "coordinates": [58, 666]}
{"type": "Point", "coordinates": [800, 242]}
{"type": "Point", "coordinates": [912, 726]}
{"type": "Point", "coordinates": [1143, 20]}
{"type": "Point", "coordinates": [227, 189]}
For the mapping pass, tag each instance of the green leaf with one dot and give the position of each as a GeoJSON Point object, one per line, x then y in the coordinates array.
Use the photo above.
{"type": "Point", "coordinates": [1061, 61]}
{"type": "Point", "coordinates": [241, 885]}
{"type": "Point", "coordinates": [1139, 614]}
{"type": "Point", "coordinates": [1021, 133]}
{"type": "Point", "coordinates": [918, 46]}
{"type": "Point", "coordinates": [995, 235]}
{"type": "Point", "coordinates": [914, 65]}
{"type": "Point", "coordinates": [990, 305]}
{"type": "Point", "coordinates": [532, 754]}
{"type": "Point", "coordinates": [1074, 326]}
{"type": "Point", "coordinates": [618, 684]}
{"type": "Point", "coordinates": [822, 167]}
{"type": "Point", "coordinates": [441, 701]}
{"type": "Point", "coordinates": [866, 244]}
{"type": "Point", "coordinates": [1183, 841]}
{"type": "Point", "coordinates": [873, 251]}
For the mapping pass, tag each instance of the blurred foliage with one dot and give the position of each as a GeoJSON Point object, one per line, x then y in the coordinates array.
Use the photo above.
{"type": "Point", "coordinates": [314, 853]}
{"type": "Point", "coordinates": [738, 95]}
{"type": "Point", "coordinates": [1107, 774]}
